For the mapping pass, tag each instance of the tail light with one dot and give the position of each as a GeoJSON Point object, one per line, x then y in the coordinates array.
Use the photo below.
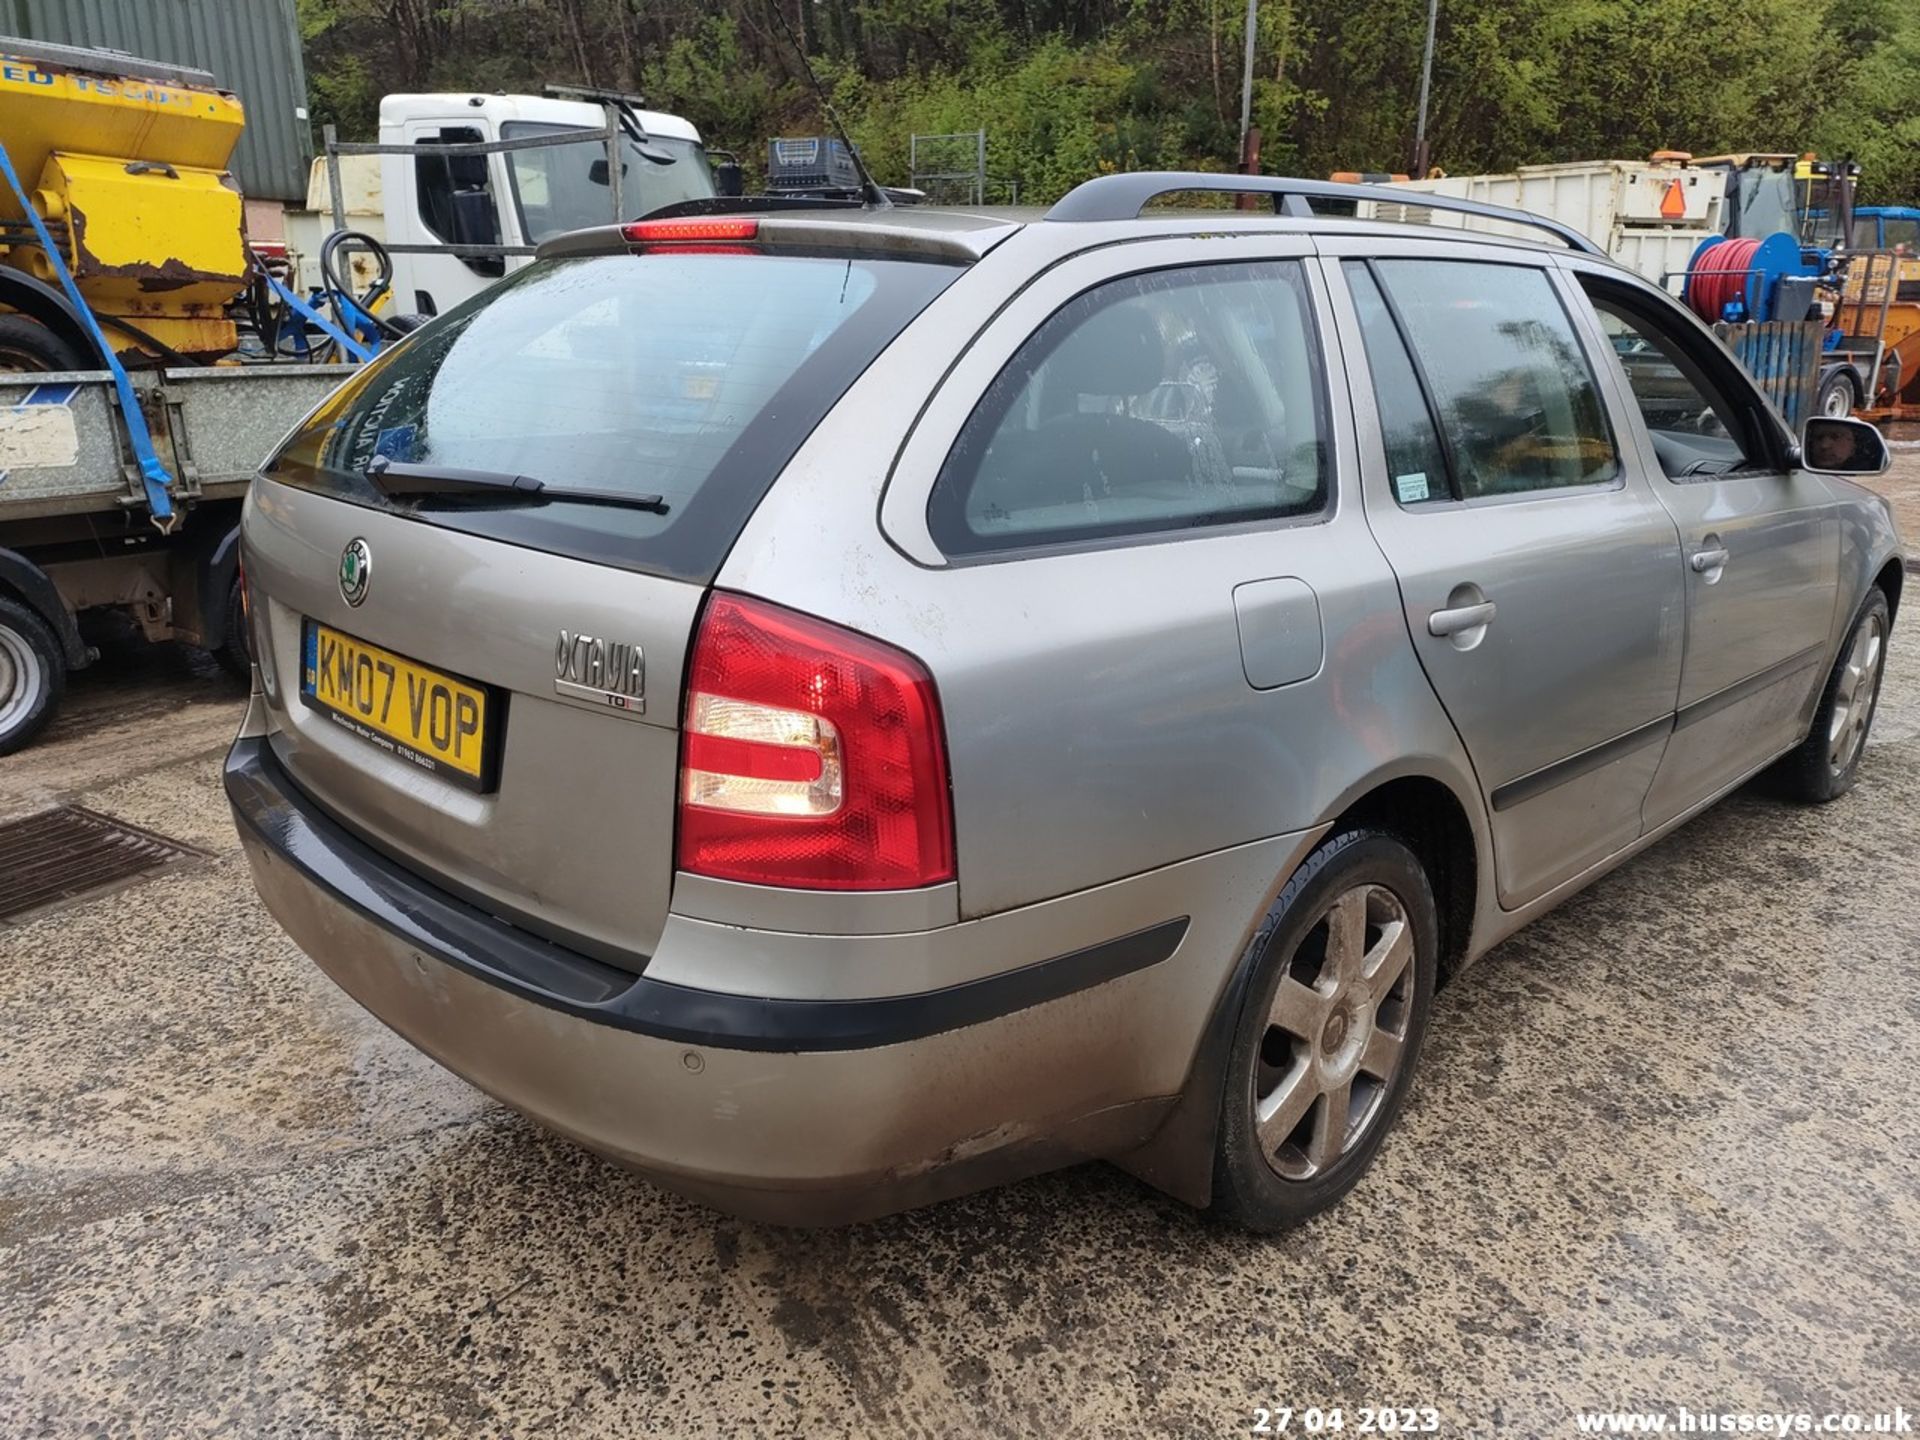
{"type": "Point", "coordinates": [811, 756]}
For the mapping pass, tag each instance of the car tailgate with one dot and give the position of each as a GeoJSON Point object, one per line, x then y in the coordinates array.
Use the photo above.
{"type": "Point", "coordinates": [571, 832]}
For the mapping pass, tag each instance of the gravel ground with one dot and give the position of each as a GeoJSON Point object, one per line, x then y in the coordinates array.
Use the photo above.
{"type": "Point", "coordinates": [1661, 1152]}
{"type": "Point", "coordinates": [1901, 483]}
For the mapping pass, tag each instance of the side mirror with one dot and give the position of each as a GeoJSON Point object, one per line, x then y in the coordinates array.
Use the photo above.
{"type": "Point", "coordinates": [728, 180]}
{"type": "Point", "coordinates": [1843, 447]}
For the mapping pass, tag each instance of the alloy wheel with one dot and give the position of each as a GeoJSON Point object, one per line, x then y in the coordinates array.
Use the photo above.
{"type": "Point", "coordinates": [1336, 1033]}
{"type": "Point", "coordinates": [1854, 696]}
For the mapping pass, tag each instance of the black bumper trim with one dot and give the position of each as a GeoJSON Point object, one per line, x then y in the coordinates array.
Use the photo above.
{"type": "Point", "coordinates": [446, 929]}
{"type": "Point", "coordinates": [1548, 777]}
{"type": "Point", "coordinates": [1733, 694]}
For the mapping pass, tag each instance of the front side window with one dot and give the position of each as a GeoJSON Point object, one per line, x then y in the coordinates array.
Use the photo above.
{"type": "Point", "coordinates": [1516, 398]}
{"type": "Point", "coordinates": [1156, 403]}
{"type": "Point", "coordinates": [1691, 424]}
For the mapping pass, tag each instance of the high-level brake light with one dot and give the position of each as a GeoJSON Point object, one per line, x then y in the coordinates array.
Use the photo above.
{"type": "Point", "coordinates": [690, 232]}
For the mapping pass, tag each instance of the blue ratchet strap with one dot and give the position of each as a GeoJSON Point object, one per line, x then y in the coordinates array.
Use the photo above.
{"type": "Point", "coordinates": [152, 473]}
{"type": "Point", "coordinates": [346, 342]}
{"type": "Point", "coordinates": [360, 319]}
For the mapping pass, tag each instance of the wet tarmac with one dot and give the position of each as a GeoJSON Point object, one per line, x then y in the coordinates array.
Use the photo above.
{"type": "Point", "coordinates": [1663, 1151]}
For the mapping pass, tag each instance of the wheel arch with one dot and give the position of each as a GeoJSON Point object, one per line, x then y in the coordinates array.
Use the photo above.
{"type": "Point", "coordinates": [1847, 368]}
{"type": "Point", "coordinates": [1429, 815]}
{"type": "Point", "coordinates": [26, 582]}
{"type": "Point", "coordinates": [216, 562]}
{"type": "Point", "coordinates": [1892, 575]}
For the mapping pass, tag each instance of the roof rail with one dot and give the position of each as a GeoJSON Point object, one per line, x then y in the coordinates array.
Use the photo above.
{"type": "Point", "coordinates": [1122, 197]}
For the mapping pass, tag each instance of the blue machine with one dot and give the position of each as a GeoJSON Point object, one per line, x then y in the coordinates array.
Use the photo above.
{"type": "Point", "coordinates": [1739, 280]}
{"type": "Point", "coordinates": [1887, 227]}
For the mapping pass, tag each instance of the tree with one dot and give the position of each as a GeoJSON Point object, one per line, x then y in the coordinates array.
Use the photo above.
{"type": "Point", "coordinates": [1066, 88]}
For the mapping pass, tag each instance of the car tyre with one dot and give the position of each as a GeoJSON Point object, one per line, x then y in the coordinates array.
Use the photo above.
{"type": "Point", "coordinates": [1345, 967]}
{"type": "Point", "coordinates": [33, 675]}
{"type": "Point", "coordinates": [236, 649]}
{"type": "Point", "coordinates": [1827, 762]}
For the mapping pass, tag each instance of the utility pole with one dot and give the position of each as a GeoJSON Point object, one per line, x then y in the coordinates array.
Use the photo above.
{"type": "Point", "coordinates": [1249, 136]}
{"type": "Point", "coordinates": [1426, 81]}
{"type": "Point", "coordinates": [1246, 82]}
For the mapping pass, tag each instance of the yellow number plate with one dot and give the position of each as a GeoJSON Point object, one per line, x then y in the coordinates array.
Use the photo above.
{"type": "Point", "coordinates": [426, 717]}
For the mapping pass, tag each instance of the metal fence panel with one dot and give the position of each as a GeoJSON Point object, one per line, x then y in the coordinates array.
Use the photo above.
{"type": "Point", "coordinates": [1783, 357]}
{"type": "Point", "coordinates": [251, 46]}
{"type": "Point", "coordinates": [952, 169]}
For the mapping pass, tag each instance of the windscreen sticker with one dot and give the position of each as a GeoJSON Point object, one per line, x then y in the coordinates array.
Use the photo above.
{"type": "Point", "coordinates": [1411, 488]}
{"type": "Point", "coordinates": [396, 443]}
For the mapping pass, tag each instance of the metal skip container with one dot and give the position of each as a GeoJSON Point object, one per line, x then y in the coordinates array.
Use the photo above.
{"type": "Point", "coordinates": [1650, 215]}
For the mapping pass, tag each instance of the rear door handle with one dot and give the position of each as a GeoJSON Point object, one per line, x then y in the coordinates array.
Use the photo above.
{"type": "Point", "coordinates": [1705, 560]}
{"type": "Point", "coordinates": [1463, 617]}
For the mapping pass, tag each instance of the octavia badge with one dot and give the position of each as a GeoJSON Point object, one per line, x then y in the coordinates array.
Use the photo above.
{"type": "Point", "coordinates": [356, 571]}
{"type": "Point", "coordinates": [597, 671]}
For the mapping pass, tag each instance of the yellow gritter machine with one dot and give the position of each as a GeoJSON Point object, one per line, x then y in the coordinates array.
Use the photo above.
{"type": "Point", "coordinates": [126, 160]}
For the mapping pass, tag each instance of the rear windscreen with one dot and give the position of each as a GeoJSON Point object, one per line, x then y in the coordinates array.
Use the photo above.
{"type": "Point", "coordinates": [689, 376]}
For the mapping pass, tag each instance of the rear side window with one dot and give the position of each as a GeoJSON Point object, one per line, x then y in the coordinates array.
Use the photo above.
{"type": "Point", "coordinates": [1516, 398]}
{"type": "Point", "coordinates": [694, 377]}
{"type": "Point", "coordinates": [1416, 461]}
{"type": "Point", "coordinates": [1159, 402]}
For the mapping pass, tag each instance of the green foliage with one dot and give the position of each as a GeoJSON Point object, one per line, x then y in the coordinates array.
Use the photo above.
{"type": "Point", "coordinates": [1874, 109]}
{"type": "Point", "coordinates": [1071, 88]}
{"type": "Point", "coordinates": [705, 74]}
{"type": "Point", "coordinates": [1053, 116]}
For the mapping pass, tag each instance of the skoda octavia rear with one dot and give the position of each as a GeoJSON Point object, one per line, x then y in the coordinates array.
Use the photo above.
{"type": "Point", "coordinates": [836, 710]}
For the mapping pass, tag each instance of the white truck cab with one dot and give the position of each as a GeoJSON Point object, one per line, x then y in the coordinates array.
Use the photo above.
{"type": "Point", "coordinates": [519, 197]}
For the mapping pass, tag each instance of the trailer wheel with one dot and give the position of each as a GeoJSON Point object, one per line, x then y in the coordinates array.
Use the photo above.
{"type": "Point", "coordinates": [1836, 400]}
{"type": "Point", "coordinates": [28, 345]}
{"type": "Point", "coordinates": [33, 674]}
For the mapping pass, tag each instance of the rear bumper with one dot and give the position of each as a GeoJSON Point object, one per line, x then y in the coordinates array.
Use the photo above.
{"type": "Point", "coordinates": [798, 1111]}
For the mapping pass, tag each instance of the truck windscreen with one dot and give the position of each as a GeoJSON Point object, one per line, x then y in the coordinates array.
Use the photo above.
{"type": "Point", "coordinates": [564, 187]}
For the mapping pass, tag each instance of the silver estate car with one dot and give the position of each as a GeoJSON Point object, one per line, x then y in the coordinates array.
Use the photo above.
{"type": "Point", "coordinates": [833, 708]}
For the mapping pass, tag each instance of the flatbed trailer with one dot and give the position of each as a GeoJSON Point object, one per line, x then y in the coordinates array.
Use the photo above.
{"type": "Point", "coordinates": [121, 486]}
{"type": "Point", "coordinates": [79, 528]}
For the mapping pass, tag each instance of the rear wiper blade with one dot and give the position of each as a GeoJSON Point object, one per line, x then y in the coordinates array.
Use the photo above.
{"type": "Point", "coordinates": [398, 477]}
